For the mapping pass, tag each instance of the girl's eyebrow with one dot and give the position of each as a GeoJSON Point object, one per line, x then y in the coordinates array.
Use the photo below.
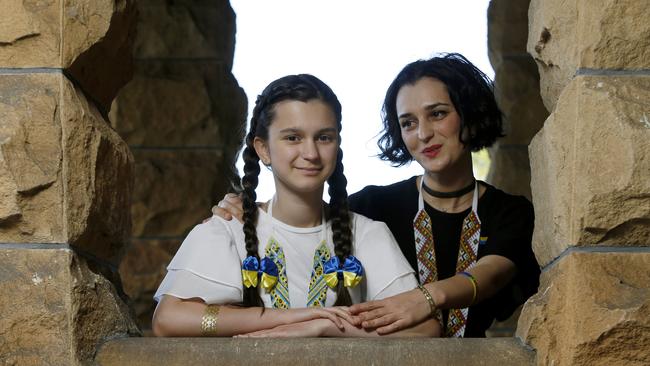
{"type": "Point", "coordinates": [297, 130]}
{"type": "Point", "coordinates": [428, 108]}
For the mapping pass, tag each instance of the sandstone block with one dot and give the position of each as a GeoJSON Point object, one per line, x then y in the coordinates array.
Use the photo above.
{"type": "Point", "coordinates": [181, 103]}
{"type": "Point", "coordinates": [517, 93]}
{"type": "Point", "coordinates": [590, 165]}
{"type": "Point", "coordinates": [566, 36]}
{"type": "Point", "coordinates": [507, 29]}
{"type": "Point", "coordinates": [91, 39]}
{"type": "Point", "coordinates": [175, 190]}
{"type": "Point", "coordinates": [66, 174]}
{"type": "Point", "coordinates": [30, 159]}
{"type": "Point", "coordinates": [591, 309]}
{"type": "Point", "coordinates": [55, 310]}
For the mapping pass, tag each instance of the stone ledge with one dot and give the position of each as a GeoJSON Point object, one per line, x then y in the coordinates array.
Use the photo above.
{"type": "Point", "coordinates": [314, 352]}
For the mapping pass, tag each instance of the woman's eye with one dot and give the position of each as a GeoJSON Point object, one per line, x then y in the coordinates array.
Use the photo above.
{"type": "Point", "coordinates": [438, 114]}
{"type": "Point", "coordinates": [407, 123]}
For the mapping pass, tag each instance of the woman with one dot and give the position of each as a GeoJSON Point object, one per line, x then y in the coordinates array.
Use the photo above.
{"type": "Point", "coordinates": [307, 270]}
{"type": "Point", "coordinates": [469, 242]}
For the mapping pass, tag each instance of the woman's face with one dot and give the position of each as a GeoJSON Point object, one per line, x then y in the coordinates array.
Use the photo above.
{"type": "Point", "coordinates": [430, 125]}
{"type": "Point", "coordinates": [302, 145]}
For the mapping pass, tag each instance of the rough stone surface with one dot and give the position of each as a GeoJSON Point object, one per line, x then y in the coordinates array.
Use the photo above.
{"type": "Point", "coordinates": [98, 176]}
{"type": "Point", "coordinates": [174, 103]}
{"type": "Point", "coordinates": [142, 269]}
{"type": "Point", "coordinates": [98, 46]}
{"type": "Point", "coordinates": [31, 207]}
{"type": "Point", "coordinates": [91, 39]}
{"type": "Point", "coordinates": [517, 93]}
{"type": "Point", "coordinates": [592, 309]}
{"type": "Point", "coordinates": [566, 36]}
{"type": "Point", "coordinates": [185, 29]}
{"type": "Point", "coordinates": [507, 29]}
{"type": "Point", "coordinates": [174, 190]}
{"type": "Point", "coordinates": [509, 169]}
{"type": "Point", "coordinates": [55, 310]}
{"type": "Point", "coordinates": [179, 351]}
{"type": "Point", "coordinates": [590, 165]}
{"type": "Point", "coordinates": [31, 36]}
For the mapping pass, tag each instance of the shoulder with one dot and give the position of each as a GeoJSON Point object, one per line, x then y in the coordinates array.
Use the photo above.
{"type": "Point", "coordinates": [368, 232]}
{"type": "Point", "coordinates": [372, 198]}
{"type": "Point", "coordinates": [499, 203]}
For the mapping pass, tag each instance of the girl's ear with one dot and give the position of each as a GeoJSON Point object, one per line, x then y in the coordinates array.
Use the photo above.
{"type": "Point", "coordinates": [262, 150]}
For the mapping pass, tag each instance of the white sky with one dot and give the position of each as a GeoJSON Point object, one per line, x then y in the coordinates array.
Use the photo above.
{"type": "Point", "coordinates": [357, 48]}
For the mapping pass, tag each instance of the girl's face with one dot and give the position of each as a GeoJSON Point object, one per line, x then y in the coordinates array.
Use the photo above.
{"type": "Point", "coordinates": [302, 145]}
{"type": "Point", "coordinates": [430, 125]}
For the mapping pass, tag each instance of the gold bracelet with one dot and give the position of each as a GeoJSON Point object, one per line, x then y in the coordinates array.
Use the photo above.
{"type": "Point", "coordinates": [432, 304]}
{"type": "Point", "coordinates": [209, 320]}
{"type": "Point", "coordinates": [471, 279]}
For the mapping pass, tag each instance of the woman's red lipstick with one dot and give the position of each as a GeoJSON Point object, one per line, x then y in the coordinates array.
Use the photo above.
{"type": "Point", "coordinates": [431, 151]}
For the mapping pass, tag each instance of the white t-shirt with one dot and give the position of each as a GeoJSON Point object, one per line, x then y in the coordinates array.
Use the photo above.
{"type": "Point", "coordinates": [208, 263]}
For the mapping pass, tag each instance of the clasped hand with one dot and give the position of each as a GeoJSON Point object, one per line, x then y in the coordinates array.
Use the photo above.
{"type": "Point", "coordinates": [392, 313]}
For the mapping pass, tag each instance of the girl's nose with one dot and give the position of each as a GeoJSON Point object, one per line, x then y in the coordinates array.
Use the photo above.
{"type": "Point", "coordinates": [309, 150]}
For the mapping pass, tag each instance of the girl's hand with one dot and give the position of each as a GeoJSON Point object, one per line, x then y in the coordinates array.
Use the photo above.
{"type": "Point", "coordinates": [230, 206]}
{"type": "Point", "coordinates": [333, 314]}
{"type": "Point", "coordinates": [310, 328]}
{"type": "Point", "coordinates": [392, 313]}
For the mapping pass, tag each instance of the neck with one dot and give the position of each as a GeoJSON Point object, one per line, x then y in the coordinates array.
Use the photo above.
{"type": "Point", "coordinates": [452, 179]}
{"type": "Point", "coordinates": [299, 210]}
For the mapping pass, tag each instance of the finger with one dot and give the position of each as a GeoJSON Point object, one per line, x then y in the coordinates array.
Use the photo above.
{"type": "Point", "coordinates": [393, 327]}
{"type": "Point", "coordinates": [374, 314]}
{"type": "Point", "coordinates": [334, 318]}
{"type": "Point", "coordinates": [343, 314]}
{"type": "Point", "coordinates": [234, 209]}
{"type": "Point", "coordinates": [379, 321]}
{"type": "Point", "coordinates": [218, 211]}
{"type": "Point", "coordinates": [363, 307]}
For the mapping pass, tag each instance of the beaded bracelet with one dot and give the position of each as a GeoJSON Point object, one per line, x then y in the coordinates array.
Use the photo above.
{"type": "Point", "coordinates": [432, 304]}
{"type": "Point", "coordinates": [209, 320]}
{"type": "Point", "coordinates": [471, 279]}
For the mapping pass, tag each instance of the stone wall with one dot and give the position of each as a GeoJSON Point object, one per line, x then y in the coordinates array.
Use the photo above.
{"type": "Point", "coordinates": [590, 185]}
{"type": "Point", "coordinates": [183, 117]}
{"type": "Point", "coordinates": [65, 179]}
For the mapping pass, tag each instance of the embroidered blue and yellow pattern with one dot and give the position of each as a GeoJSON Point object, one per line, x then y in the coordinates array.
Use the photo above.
{"type": "Point", "coordinates": [317, 287]}
{"type": "Point", "coordinates": [280, 293]}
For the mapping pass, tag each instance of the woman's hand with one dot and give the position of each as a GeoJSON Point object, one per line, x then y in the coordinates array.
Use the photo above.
{"type": "Point", "coordinates": [230, 206]}
{"type": "Point", "coordinates": [333, 314]}
{"type": "Point", "coordinates": [392, 313]}
{"type": "Point", "coordinates": [310, 328]}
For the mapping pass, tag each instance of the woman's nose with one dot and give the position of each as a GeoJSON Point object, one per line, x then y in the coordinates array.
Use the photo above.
{"type": "Point", "coordinates": [425, 131]}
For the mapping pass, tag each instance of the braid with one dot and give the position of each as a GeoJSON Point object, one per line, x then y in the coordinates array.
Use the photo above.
{"type": "Point", "coordinates": [249, 183]}
{"type": "Point", "coordinates": [341, 226]}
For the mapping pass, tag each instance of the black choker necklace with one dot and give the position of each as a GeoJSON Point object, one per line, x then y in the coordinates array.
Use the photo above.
{"type": "Point", "coordinates": [453, 194]}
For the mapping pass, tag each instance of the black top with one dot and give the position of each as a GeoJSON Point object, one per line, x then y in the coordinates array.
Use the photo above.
{"type": "Point", "coordinates": [506, 220]}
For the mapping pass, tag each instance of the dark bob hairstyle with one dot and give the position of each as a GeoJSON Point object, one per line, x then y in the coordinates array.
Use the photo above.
{"type": "Point", "coordinates": [470, 90]}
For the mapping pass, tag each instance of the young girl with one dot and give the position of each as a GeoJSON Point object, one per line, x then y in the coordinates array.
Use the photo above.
{"type": "Point", "coordinates": [294, 255]}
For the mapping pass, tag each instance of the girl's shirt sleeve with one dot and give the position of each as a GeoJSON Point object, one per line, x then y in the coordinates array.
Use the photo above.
{"type": "Point", "coordinates": [387, 272]}
{"type": "Point", "coordinates": [206, 266]}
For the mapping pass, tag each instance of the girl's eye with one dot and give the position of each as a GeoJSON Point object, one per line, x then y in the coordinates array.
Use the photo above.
{"type": "Point", "coordinates": [325, 138]}
{"type": "Point", "coordinates": [292, 138]}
